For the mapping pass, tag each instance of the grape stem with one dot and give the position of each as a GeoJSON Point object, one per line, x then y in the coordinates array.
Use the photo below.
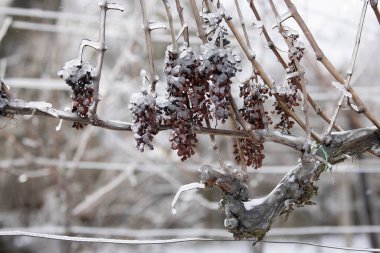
{"type": "Point", "coordinates": [100, 47]}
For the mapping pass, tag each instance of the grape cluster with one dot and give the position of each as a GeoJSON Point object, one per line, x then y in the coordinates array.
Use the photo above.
{"type": "Point", "coordinates": [253, 153]}
{"type": "Point", "coordinates": [144, 118]}
{"type": "Point", "coordinates": [218, 66]}
{"type": "Point", "coordinates": [179, 70]}
{"type": "Point", "coordinates": [289, 91]}
{"type": "Point", "coordinates": [79, 76]}
{"type": "Point", "coordinates": [291, 96]}
{"type": "Point", "coordinates": [254, 96]}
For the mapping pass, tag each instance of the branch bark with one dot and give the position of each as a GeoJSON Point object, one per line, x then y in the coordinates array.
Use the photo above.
{"type": "Point", "coordinates": [253, 218]}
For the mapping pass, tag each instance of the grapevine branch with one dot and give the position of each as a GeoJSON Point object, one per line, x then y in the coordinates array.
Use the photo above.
{"type": "Point", "coordinates": [100, 46]}
{"type": "Point", "coordinates": [148, 38]}
{"type": "Point", "coordinates": [19, 107]}
{"type": "Point", "coordinates": [317, 108]}
{"type": "Point", "coordinates": [252, 218]}
{"type": "Point", "coordinates": [260, 70]}
{"type": "Point", "coordinates": [182, 20]}
{"type": "Point", "coordinates": [328, 65]}
{"type": "Point", "coordinates": [375, 8]}
{"type": "Point", "coordinates": [351, 66]}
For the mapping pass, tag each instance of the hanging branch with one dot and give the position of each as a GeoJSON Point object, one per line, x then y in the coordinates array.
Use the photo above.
{"type": "Point", "coordinates": [328, 65]}
{"type": "Point", "coordinates": [351, 66]}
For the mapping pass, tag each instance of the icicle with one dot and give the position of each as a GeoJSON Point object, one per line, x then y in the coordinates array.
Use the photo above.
{"type": "Point", "coordinates": [182, 189]}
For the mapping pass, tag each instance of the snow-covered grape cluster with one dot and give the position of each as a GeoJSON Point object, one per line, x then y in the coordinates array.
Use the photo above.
{"type": "Point", "coordinates": [79, 76]}
{"type": "Point", "coordinates": [144, 118]}
{"type": "Point", "coordinates": [218, 66]}
{"type": "Point", "coordinates": [289, 91]}
{"type": "Point", "coordinates": [179, 70]}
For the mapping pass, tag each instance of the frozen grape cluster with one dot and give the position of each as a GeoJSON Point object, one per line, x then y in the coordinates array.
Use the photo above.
{"type": "Point", "coordinates": [218, 66]}
{"type": "Point", "coordinates": [79, 76]}
{"type": "Point", "coordinates": [254, 95]}
{"type": "Point", "coordinates": [144, 119]}
{"type": "Point", "coordinates": [179, 70]}
{"type": "Point", "coordinates": [289, 90]}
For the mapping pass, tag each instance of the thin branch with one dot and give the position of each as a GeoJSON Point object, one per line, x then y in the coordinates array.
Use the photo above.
{"type": "Point", "coordinates": [351, 66]}
{"type": "Point", "coordinates": [242, 23]}
{"type": "Point", "coordinates": [328, 65]}
{"type": "Point", "coordinates": [183, 23]}
{"type": "Point", "coordinates": [149, 47]}
{"type": "Point", "coordinates": [198, 21]}
{"type": "Point", "coordinates": [301, 73]}
{"type": "Point", "coordinates": [170, 19]}
{"type": "Point", "coordinates": [20, 107]}
{"type": "Point", "coordinates": [317, 108]}
{"type": "Point", "coordinates": [270, 43]}
{"type": "Point", "coordinates": [260, 70]}
{"type": "Point", "coordinates": [375, 9]}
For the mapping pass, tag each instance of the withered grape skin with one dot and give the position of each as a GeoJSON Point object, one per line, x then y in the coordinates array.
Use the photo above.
{"type": "Point", "coordinates": [289, 91]}
{"type": "Point", "coordinates": [144, 119]}
{"type": "Point", "coordinates": [79, 76]}
{"type": "Point", "coordinates": [179, 70]}
{"type": "Point", "coordinates": [254, 95]}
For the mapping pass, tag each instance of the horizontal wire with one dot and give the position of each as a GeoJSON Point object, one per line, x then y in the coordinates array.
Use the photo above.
{"type": "Point", "coordinates": [323, 246]}
{"type": "Point", "coordinates": [165, 241]}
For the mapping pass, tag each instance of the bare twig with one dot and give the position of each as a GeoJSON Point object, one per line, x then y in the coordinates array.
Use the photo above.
{"type": "Point", "coordinates": [182, 20]}
{"type": "Point", "coordinates": [317, 108]}
{"type": "Point", "coordinates": [375, 8]}
{"type": "Point", "coordinates": [328, 65]}
{"type": "Point", "coordinates": [170, 19]}
{"type": "Point", "coordinates": [242, 23]}
{"type": "Point", "coordinates": [300, 70]}
{"type": "Point", "coordinates": [351, 66]}
{"type": "Point", "coordinates": [198, 21]}
{"type": "Point", "coordinates": [149, 48]}
{"type": "Point", "coordinates": [260, 70]}
{"type": "Point", "coordinates": [266, 35]}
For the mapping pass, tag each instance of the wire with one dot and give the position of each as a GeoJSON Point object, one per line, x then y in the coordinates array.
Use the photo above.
{"type": "Point", "coordinates": [163, 241]}
{"type": "Point", "coordinates": [98, 240]}
{"type": "Point", "coordinates": [323, 246]}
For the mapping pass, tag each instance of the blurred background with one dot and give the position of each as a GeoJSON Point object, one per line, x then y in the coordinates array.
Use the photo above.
{"type": "Point", "coordinates": [94, 182]}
